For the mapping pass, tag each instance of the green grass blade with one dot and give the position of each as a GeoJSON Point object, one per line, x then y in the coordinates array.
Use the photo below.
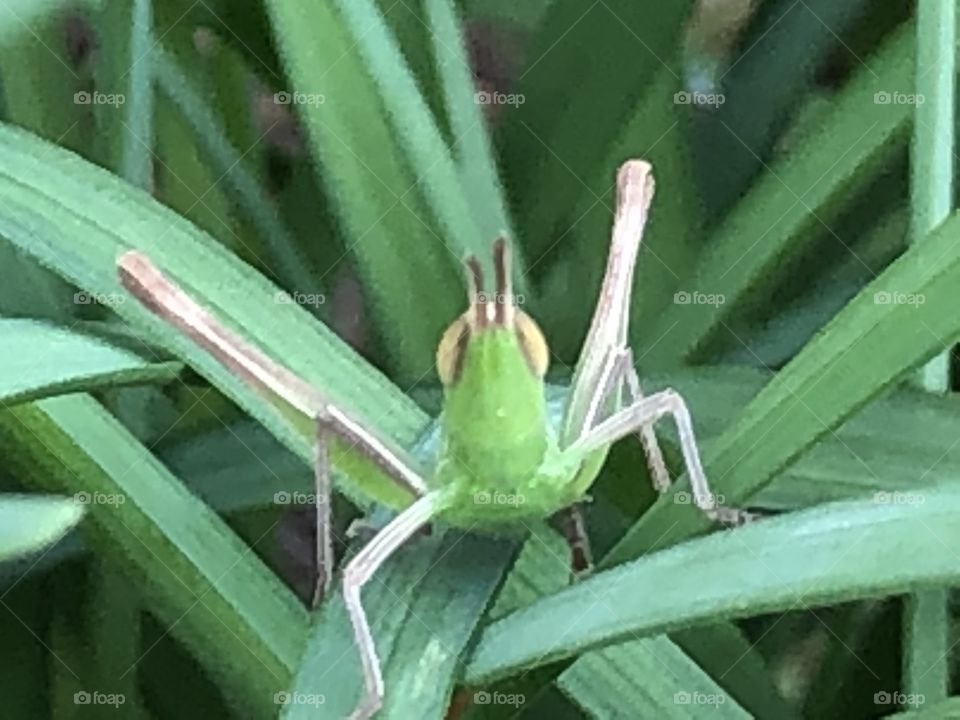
{"type": "Point", "coordinates": [830, 554]}
{"type": "Point", "coordinates": [194, 573]}
{"type": "Point", "coordinates": [472, 150]}
{"type": "Point", "coordinates": [577, 96]}
{"type": "Point", "coordinates": [32, 522]}
{"type": "Point", "coordinates": [791, 201]}
{"type": "Point", "coordinates": [892, 326]}
{"type": "Point", "coordinates": [653, 677]}
{"type": "Point", "coordinates": [76, 219]}
{"type": "Point", "coordinates": [137, 161]}
{"type": "Point", "coordinates": [228, 164]}
{"type": "Point", "coordinates": [391, 230]}
{"type": "Point", "coordinates": [926, 631]}
{"type": "Point", "coordinates": [40, 360]}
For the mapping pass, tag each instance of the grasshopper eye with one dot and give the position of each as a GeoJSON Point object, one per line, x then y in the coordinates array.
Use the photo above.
{"type": "Point", "coordinates": [451, 348]}
{"type": "Point", "coordinates": [532, 343]}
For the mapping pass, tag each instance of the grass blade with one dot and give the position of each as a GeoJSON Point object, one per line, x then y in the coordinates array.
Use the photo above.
{"type": "Point", "coordinates": [76, 219]}
{"type": "Point", "coordinates": [32, 522]}
{"type": "Point", "coordinates": [834, 553]}
{"type": "Point", "coordinates": [194, 573]}
{"type": "Point", "coordinates": [32, 364]}
{"type": "Point", "coordinates": [877, 338]}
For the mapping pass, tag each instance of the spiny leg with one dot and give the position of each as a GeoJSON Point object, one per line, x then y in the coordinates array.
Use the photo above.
{"type": "Point", "coordinates": [646, 412]}
{"type": "Point", "coordinates": [356, 574]}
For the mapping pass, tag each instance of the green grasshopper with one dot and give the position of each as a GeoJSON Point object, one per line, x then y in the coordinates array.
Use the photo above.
{"type": "Point", "coordinates": [496, 438]}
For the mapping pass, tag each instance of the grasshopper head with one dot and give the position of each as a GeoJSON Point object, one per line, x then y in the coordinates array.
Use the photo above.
{"type": "Point", "coordinates": [492, 326]}
{"type": "Point", "coordinates": [492, 360]}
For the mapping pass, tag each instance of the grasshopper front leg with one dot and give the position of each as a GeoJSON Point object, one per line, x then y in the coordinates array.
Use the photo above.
{"type": "Point", "coordinates": [359, 571]}
{"type": "Point", "coordinates": [644, 413]}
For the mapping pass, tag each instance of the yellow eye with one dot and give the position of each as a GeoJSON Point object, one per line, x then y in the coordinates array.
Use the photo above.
{"type": "Point", "coordinates": [532, 343]}
{"type": "Point", "coordinates": [450, 350]}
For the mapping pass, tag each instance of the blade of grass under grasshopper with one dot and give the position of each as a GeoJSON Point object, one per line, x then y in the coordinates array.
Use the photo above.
{"type": "Point", "coordinates": [394, 235]}
{"type": "Point", "coordinates": [834, 553]}
{"type": "Point", "coordinates": [892, 326]}
{"type": "Point", "coordinates": [800, 194]}
{"type": "Point", "coordinates": [77, 219]}
{"type": "Point", "coordinates": [194, 574]}
{"type": "Point", "coordinates": [424, 607]}
{"type": "Point", "coordinates": [40, 360]}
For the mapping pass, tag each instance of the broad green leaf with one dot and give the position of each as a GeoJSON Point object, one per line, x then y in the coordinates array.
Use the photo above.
{"type": "Point", "coordinates": [898, 321]}
{"type": "Point", "coordinates": [31, 522]}
{"type": "Point", "coordinates": [77, 219]}
{"type": "Point", "coordinates": [653, 677]}
{"type": "Point", "coordinates": [830, 554]}
{"type": "Point", "coordinates": [213, 592]}
{"type": "Point", "coordinates": [40, 360]}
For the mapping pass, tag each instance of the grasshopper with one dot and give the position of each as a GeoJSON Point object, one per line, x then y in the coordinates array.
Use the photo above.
{"type": "Point", "coordinates": [496, 437]}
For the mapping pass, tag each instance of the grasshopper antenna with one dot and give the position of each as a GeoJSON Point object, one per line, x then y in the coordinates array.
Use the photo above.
{"type": "Point", "coordinates": [478, 298]}
{"type": "Point", "coordinates": [503, 307]}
